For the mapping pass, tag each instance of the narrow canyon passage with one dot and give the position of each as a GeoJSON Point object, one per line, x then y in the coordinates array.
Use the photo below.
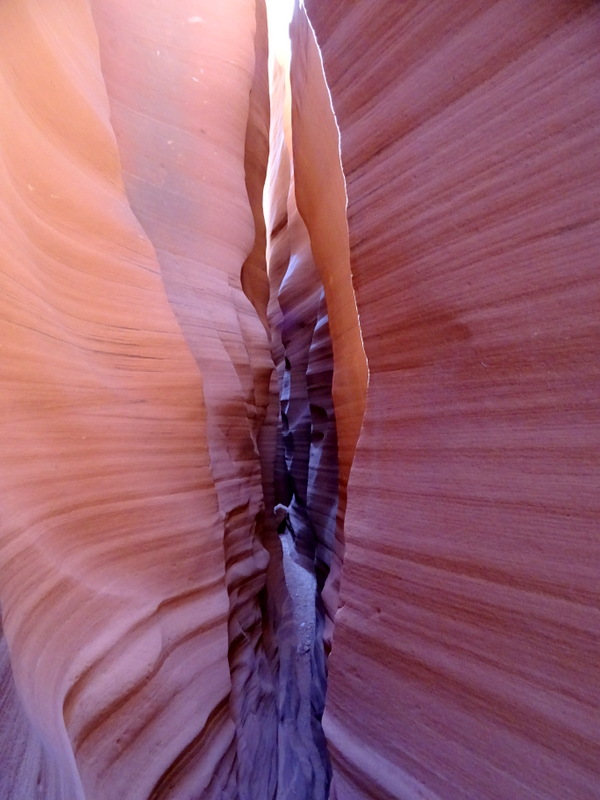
{"type": "Point", "coordinates": [307, 477]}
{"type": "Point", "coordinates": [278, 618]}
{"type": "Point", "coordinates": [236, 562]}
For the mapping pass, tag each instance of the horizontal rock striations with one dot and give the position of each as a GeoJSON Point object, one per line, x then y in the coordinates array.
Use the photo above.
{"type": "Point", "coordinates": [112, 575]}
{"type": "Point", "coordinates": [465, 652]}
{"type": "Point", "coordinates": [182, 124]}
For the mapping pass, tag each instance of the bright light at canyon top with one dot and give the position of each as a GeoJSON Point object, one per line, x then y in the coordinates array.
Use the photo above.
{"type": "Point", "coordinates": [280, 14]}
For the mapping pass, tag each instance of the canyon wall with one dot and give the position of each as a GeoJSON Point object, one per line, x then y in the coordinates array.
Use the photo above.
{"type": "Point", "coordinates": [135, 377]}
{"type": "Point", "coordinates": [182, 121]}
{"type": "Point", "coordinates": [466, 649]}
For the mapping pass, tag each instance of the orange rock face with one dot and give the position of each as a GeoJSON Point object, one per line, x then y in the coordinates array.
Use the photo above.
{"type": "Point", "coordinates": [182, 121]}
{"type": "Point", "coordinates": [135, 376]}
{"type": "Point", "coordinates": [158, 638]}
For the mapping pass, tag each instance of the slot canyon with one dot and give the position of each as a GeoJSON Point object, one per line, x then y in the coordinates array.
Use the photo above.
{"type": "Point", "coordinates": [300, 400]}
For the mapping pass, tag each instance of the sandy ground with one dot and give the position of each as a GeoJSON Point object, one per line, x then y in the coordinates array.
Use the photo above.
{"type": "Point", "coordinates": [302, 587]}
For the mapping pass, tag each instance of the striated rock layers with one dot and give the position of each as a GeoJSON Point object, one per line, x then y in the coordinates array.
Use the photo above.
{"type": "Point", "coordinates": [176, 360]}
{"type": "Point", "coordinates": [466, 649]}
{"type": "Point", "coordinates": [135, 376]}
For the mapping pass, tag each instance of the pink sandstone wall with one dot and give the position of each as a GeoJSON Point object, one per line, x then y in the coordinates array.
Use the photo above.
{"type": "Point", "coordinates": [466, 650]}
{"type": "Point", "coordinates": [112, 578]}
{"type": "Point", "coordinates": [182, 123]}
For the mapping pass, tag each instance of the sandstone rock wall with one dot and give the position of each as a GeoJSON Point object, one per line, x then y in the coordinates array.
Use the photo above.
{"type": "Point", "coordinates": [320, 194]}
{"type": "Point", "coordinates": [465, 652]}
{"type": "Point", "coordinates": [135, 377]}
{"type": "Point", "coordinates": [182, 121]}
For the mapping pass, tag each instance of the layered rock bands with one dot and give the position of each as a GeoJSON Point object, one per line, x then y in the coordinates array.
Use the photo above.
{"type": "Point", "coordinates": [189, 238]}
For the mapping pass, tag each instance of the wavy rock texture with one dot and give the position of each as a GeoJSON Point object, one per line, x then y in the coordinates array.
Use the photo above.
{"type": "Point", "coordinates": [131, 481]}
{"type": "Point", "coordinates": [181, 121]}
{"type": "Point", "coordinates": [465, 654]}
{"type": "Point", "coordinates": [113, 595]}
{"type": "Point", "coordinates": [159, 638]}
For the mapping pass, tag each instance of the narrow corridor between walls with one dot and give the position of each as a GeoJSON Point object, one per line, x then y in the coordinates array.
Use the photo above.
{"type": "Point", "coordinates": [307, 253]}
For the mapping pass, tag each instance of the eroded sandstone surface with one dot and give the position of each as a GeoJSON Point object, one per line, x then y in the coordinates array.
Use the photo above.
{"type": "Point", "coordinates": [198, 258]}
{"type": "Point", "coordinates": [466, 648]}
